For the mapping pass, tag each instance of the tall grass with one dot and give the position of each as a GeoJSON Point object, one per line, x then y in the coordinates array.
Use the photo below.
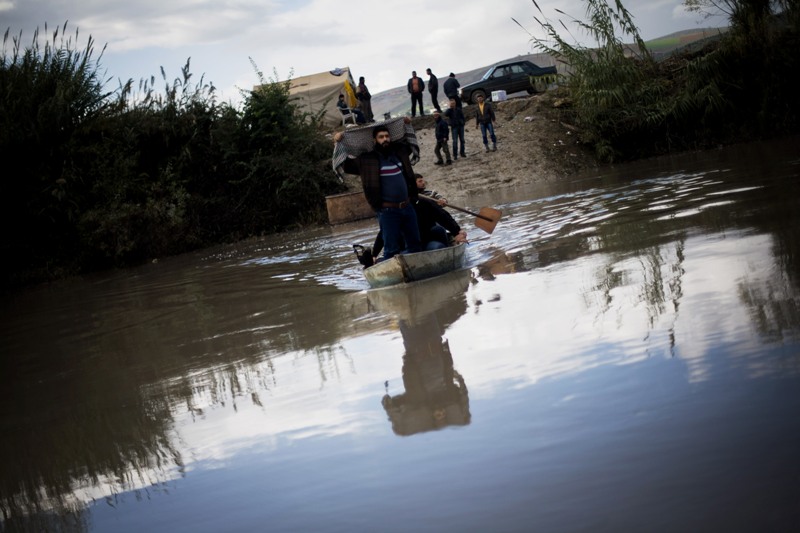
{"type": "Point", "coordinates": [113, 178]}
{"type": "Point", "coordinates": [630, 105]}
{"type": "Point", "coordinates": [47, 92]}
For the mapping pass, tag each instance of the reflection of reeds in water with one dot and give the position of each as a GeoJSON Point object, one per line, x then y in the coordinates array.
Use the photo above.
{"type": "Point", "coordinates": [105, 441]}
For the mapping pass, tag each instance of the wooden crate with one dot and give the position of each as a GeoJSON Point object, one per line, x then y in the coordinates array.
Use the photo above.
{"type": "Point", "coordinates": [347, 207]}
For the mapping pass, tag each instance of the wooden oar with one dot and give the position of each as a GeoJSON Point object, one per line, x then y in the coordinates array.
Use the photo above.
{"type": "Point", "coordinates": [486, 219]}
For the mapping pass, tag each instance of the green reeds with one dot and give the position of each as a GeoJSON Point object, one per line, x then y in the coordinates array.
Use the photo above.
{"type": "Point", "coordinates": [628, 105]}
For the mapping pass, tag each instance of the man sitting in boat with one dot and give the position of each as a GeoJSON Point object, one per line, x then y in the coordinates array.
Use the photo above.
{"type": "Point", "coordinates": [422, 188]}
{"type": "Point", "coordinates": [437, 230]}
{"type": "Point", "coordinates": [390, 188]}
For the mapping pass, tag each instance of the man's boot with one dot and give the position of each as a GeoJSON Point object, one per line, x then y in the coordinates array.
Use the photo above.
{"type": "Point", "coordinates": [364, 255]}
{"type": "Point", "coordinates": [494, 147]}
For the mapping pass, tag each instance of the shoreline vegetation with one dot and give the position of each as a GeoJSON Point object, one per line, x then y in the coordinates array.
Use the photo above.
{"type": "Point", "coordinates": [107, 179]}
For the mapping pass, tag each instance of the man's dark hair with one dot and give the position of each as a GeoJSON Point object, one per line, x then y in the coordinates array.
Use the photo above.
{"type": "Point", "coordinates": [377, 129]}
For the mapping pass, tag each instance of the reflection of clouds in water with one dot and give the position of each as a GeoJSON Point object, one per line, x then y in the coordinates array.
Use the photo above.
{"type": "Point", "coordinates": [550, 322]}
{"type": "Point", "coordinates": [683, 302]}
{"type": "Point", "coordinates": [311, 395]}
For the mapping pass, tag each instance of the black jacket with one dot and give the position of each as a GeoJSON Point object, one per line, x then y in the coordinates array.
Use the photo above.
{"type": "Point", "coordinates": [442, 130]}
{"type": "Point", "coordinates": [451, 86]}
{"type": "Point", "coordinates": [430, 213]}
{"type": "Point", "coordinates": [421, 84]}
{"type": "Point", "coordinates": [486, 117]}
{"type": "Point", "coordinates": [433, 84]}
{"type": "Point", "coordinates": [455, 115]}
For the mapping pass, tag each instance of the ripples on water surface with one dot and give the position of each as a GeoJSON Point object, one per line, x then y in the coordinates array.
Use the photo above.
{"type": "Point", "coordinates": [621, 355]}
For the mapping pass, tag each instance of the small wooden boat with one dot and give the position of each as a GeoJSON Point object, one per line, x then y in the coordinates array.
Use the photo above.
{"type": "Point", "coordinates": [405, 268]}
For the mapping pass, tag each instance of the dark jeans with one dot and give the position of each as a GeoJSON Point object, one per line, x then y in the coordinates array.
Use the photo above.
{"type": "Point", "coordinates": [458, 133]}
{"type": "Point", "coordinates": [360, 119]}
{"type": "Point", "coordinates": [416, 98]}
{"type": "Point", "coordinates": [490, 127]}
{"type": "Point", "coordinates": [399, 228]}
{"type": "Point", "coordinates": [435, 100]}
{"type": "Point", "coordinates": [436, 238]}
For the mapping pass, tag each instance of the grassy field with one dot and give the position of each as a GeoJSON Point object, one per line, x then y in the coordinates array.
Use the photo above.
{"type": "Point", "coordinates": [673, 41]}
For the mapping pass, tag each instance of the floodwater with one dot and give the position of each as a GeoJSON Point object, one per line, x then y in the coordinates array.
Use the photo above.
{"type": "Point", "coordinates": [622, 354]}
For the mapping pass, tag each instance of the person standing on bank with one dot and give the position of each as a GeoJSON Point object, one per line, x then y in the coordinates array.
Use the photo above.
{"type": "Point", "coordinates": [442, 136]}
{"type": "Point", "coordinates": [415, 88]}
{"type": "Point", "coordinates": [455, 116]}
{"type": "Point", "coordinates": [451, 86]}
{"type": "Point", "coordinates": [364, 100]}
{"type": "Point", "coordinates": [485, 119]}
{"type": "Point", "coordinates": [390, 189]}
{"type": "Point", "coordinates": [433, 88]}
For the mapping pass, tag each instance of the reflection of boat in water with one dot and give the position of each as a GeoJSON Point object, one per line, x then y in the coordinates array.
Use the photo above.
{"type": "Point", "coordinates": [404, 268]}
{"type": "Point", "coordinates": [421, 299]}
{"type": "Point", "coordinates": [435, 394]}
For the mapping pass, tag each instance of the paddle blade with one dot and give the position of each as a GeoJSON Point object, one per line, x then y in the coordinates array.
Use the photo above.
{"type": "Point", "coordinates": [488, 219]}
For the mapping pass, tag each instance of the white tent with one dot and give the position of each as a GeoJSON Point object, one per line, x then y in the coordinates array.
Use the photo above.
{"type": "Point", "coordinates": [321, 91]}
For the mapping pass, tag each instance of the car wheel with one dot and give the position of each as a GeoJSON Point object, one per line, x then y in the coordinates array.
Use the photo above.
{"type": "Point", "coordinates": [475, 95]}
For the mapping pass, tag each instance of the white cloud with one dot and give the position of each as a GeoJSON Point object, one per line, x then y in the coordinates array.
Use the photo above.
{"type": "Point", "coordinates": [382, 41]}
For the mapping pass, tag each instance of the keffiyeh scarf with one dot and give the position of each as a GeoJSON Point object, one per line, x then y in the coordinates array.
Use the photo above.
{"type": "Point", "coordinates": [359, 140]}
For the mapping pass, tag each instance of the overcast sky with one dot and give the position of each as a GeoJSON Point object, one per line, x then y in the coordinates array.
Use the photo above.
{"type": "Point", "coordinates": [380, 40]}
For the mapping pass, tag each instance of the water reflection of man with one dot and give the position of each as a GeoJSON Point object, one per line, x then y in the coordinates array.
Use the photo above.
{"type": "Point", "coordinates": [435, 393]}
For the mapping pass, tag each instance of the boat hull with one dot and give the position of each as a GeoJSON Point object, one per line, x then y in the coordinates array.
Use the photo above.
{"type": "Point", "coordinates": [405, 268]}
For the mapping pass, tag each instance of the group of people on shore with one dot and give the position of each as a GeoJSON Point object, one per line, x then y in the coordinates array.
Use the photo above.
{"type": "Point", "coordinates": [416, 87]}
{"type": "Point", "coordinates": [454, 115]}
{"type": "Point", "coordinates": [449, 122]}
{"type": "Point", "coordinates": [485, 119]}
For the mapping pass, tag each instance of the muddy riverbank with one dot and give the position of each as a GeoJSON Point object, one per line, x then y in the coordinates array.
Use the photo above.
{"type": "Point", "coordinates": [535, 144]}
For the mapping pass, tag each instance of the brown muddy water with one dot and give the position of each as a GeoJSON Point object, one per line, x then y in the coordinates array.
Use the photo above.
{"type": "Point", "coordinates": [622, 354]}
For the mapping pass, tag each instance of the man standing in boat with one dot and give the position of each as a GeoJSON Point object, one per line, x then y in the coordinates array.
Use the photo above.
{"type": "Point", "coordinates": [390, 189]}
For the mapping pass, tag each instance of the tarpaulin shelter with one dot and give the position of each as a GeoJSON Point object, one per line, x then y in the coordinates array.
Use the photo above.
{"type": "Point", "coordinates": [316, 92]}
